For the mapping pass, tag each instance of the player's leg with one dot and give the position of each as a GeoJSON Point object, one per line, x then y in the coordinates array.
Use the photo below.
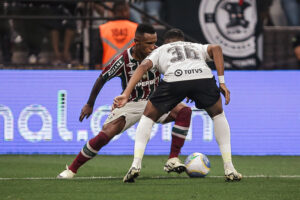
{"type": "Point", "coordinates": [91, 148]}
{"type": "Point", "coordinates": [181, 114]}
{"type": "Point", "coordinates": [162, 101]}
{"type": "Point", "coordinates": [206, 94]}
{"type": "Point", "coordinates": [119, 120]}
{"type": "Point", "coordinates": [142, 135]}
{"type": "Point", "coordinates": [222, 135]}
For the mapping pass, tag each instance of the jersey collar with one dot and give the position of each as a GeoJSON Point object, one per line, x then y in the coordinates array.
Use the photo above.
{"type": "Point", "coordinates": [129, 51]}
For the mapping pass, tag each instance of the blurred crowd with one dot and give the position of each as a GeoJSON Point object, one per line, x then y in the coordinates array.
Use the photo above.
{"type": "Point", "coordinates": [36, 36]}
{"type": "Point", "coordinates": [62, 42]}
{"type": "Point", "coordinates": [59, 42]}
{"type": "Point", "coordinates": [281, 13]}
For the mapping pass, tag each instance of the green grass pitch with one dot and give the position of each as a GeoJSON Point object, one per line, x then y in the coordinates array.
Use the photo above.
{"type": "Point", "coordinates": [32, 177]}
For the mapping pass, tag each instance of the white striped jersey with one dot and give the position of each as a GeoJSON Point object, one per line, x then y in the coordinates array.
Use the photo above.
{"type": "Point", "coordinates": [123, 66]}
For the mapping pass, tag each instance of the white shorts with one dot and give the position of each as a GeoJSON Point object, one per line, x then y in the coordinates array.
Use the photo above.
{"type": "Point", "coordinates": [132, 112]}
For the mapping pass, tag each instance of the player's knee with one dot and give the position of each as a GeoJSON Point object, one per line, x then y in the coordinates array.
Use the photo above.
{"type": "Point", "coordinates": [219, 114]}
{"type": "Point", "coordinates": [115, 127]}
{"type": "Point", "coordinates": [214, 111]}
{"type": "Point", "coordinates": [152, 112]}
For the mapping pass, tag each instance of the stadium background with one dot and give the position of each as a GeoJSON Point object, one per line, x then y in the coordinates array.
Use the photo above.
{"type": "Point", "coordinates": [40, 102]}
{"type": "Point", "coordinates": [39, 109]}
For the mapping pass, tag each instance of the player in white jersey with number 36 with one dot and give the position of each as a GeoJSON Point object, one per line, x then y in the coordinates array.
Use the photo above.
{"type": "Point", "coordinates": [120, 119]}
{"type": "Point", "coordinates": [186, 74]}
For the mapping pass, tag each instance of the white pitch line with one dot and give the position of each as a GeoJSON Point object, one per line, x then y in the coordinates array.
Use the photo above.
{"type": "Point", "coordinates": [155, 177]}
{"type": "Point", "coordinates": [263, 176]}
{"type": "Point", "coordinates": [54, 178]}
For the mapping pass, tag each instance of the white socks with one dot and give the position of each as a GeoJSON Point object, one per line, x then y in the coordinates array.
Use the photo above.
{"type": "Point", "coordinates": [142, 136]}
{"type": "Point", "coordinates": [222, 134]}
{"type": "Point", "coordinates": [221, 131]}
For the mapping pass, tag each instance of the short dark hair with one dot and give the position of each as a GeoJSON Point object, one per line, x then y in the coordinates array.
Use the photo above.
{"type": "Point", "coordinates": [145, 28]}
{"type": "Point", "coordinates": [119, 6]}
{"type": "Point", "coordinates": [174, 33]}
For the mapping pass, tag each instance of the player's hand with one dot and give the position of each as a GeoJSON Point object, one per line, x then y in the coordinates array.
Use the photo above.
{"type": "Point", "coordinates": [113, 106]}
{"type": "Point", "coordinates": [188, 100]}
{"type": "Point", "coordinates": [120, 101]}
{"type": "Point", "coordinates": [86, 111]}
{"type": "Point", "coordinates": [225, 92]}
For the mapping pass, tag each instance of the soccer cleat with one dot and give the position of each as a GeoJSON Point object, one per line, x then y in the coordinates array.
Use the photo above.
{"type": "Point", "coordinates": [232, 175]}
{"type": "Point", "coordinates": [131, 175]}
{"type": "Point", "coordinates": [174, 165]}
{"type": "Point", "coordinates": [66, 174]}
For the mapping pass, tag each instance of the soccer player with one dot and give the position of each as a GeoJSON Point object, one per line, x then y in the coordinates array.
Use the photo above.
{"type": "Point", "coordinates": [186, 74]}
{"type": "Point", "coordinates": [120, 119]}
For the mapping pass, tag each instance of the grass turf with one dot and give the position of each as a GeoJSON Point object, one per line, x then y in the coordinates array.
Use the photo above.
{"type": "Point", "coordinates": [33, 177]}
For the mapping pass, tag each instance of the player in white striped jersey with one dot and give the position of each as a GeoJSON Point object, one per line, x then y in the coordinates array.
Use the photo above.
{"type": "Point", "coordinates": [120, 119]}
{"type": "Point", "coordinates": [186, 74]}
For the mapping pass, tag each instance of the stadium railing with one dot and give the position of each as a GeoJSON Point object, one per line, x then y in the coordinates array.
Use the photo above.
{"type": "Point", "coordinates": [81, 46]}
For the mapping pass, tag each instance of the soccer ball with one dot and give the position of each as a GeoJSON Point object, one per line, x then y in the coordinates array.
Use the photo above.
{"type": "Point", "coordinates": [197, 165]}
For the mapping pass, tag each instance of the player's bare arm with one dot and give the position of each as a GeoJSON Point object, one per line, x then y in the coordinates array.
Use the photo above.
{"type": "Point", "coordinates": [121, 100]}
{"type": "Point", "coordinates": [215, 52]}
{"type": "Point", "coordinates": [87, 109]}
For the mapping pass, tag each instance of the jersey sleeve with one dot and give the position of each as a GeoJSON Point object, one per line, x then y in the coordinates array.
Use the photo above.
{"type": "Point", "coordinates": [114, 69]}
{"type": "Point", "coordinates": [154, 57]}
{"type": "Point", "coordinates": [205, 53]}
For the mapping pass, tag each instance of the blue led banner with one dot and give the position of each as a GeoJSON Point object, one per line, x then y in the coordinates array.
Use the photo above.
{"type": "Point", "coordinates": [39, 112]}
